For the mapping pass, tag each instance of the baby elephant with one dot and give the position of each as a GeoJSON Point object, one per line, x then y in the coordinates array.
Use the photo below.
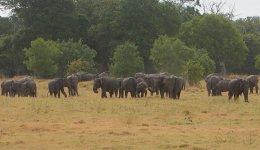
{"type": "Point", "coordinates": [141, 88]}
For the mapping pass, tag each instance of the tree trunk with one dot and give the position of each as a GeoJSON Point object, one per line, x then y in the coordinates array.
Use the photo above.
{"type": "Point", "coordinates": [223, 68]}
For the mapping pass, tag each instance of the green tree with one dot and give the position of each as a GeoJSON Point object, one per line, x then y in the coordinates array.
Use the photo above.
{"type": "Point", "coordinates": [50, 19]}
{"type": "Point", "coordinates": [6, 26]}
{"type": "Point", "coordinates": [201, 56]}
{"type": "Point", "coordinates": [170, 54]}
{"type": "Point", "coordinates": [79, 65]}
{"type": "Point", "coordinates": [219, 36]}
{"type": "Point", "coordinates": [250, 27]}
{"type": "Point", "coordinates": [126, 60]}
{"type": "Point", "coordinates": [41, 57]}
{"type": "Point", "coordinates": [257, 62]}
{"type": "Point", "coordinates": [143, 21]}
{"type": "Point", "coordinates": [72, 51]}
{"type": "Point", "coordinates": [193, 72]}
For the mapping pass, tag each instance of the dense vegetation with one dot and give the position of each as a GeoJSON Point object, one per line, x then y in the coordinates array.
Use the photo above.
{"type": "Point", "coordinates": [50, 38]}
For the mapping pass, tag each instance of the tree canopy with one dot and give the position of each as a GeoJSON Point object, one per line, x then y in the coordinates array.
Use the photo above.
{"type": "Point", "coordinates": [166, 34]}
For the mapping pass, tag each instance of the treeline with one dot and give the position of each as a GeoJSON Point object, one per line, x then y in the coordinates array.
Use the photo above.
{"type": "Point", "coordinates": [50, 38]}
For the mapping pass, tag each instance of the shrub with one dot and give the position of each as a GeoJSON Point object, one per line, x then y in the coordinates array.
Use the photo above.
{"type": "Point", "coordinates": [126, 60]}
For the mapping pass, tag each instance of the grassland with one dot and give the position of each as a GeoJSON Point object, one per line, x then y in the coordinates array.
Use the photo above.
{"type": "Point", "coordinates": [195, 122]}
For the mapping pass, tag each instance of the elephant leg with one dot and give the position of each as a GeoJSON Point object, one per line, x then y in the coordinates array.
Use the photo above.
{"type": "Point", "coordinates": [63, 92]}
{"type": "Point", "coordinates": [103, 94]}
{"type": "Point", "coordinates": [116, 93]}
{"type": "Point", "coordinates": [251, 89]}
{"type": "Point", "coordinates": [230, 94]}
{"type": "Point", "coordinates": [58, 93]}
{"type": "Point", "coordinates": [126, 93]}
{"type": "Point", "coordinates": [111, 94]}
{"type": "Point", "coordinates": [142, 94]}
{"type": "Point", "coordinates": [178, 95]}
{"type": "Point", "coordinates": [256, 89]}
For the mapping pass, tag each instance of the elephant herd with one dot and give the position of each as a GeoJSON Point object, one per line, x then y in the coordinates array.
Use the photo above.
{"type": "Point", "coordinates": [216, 84]}
{"type": "Point", "coordinates": [23, 87]}
{"type": "Point", "coordinates": [162, 83]}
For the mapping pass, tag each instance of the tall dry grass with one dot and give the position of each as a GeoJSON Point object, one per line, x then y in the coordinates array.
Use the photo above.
{"type": "Point", "coordinates": [196, 121]}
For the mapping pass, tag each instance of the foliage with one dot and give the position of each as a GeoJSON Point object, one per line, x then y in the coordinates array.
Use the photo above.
{"type": "Point", "coordinates": [201, 56]}
{"type": "Point", "coordinates": [250, 27]}
{"type": "Point", "coordinates": [257, 62]}
{"type": "Point", "coordinates": [218, 35]}
{"type": "Point", "coordinates": [40, 57]}
{"type": "Point", "coordinates": [5, 26]}
{"type": "Point", "coordinates": [170, 54]}
{"type": "Point", "coordinates": [74, 51]}
{"type": "Point", "coordinates": [193, 72]}
{"type": "Point", "coordinates": [79, 65]}
{"type": "Point", "coordinates": [126, 60]}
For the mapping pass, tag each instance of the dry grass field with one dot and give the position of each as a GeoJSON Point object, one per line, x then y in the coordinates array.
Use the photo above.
{"type": "Point", "coordinates": [195, 122]}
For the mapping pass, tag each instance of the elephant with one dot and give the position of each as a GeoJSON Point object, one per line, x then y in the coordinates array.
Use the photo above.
{"type": "Point", "coordinates": [6, 87]}
{"type": "Point", "coordinates": [29, 88]}
{"type": "Point", "coordinates": [73, 81]}
{"type": "Point", "coordinates": [140, 75]}
{"type": "Point", "coordinates": [172, 86]}
{"type": "Point", "coordinates": [210, 75]}
{"type": "Point", "coordinates": [129, 85]}
{"type": "Point", "coordinates": [180, 85]}
{"type": "Point", "coordinates": [111, 85]}
{"type": "Point", "coordinates": [141, 88]}
{"type": "Point", "coordinates": [169, 85]}
{"type": "Point", "coordinates": [211, 84]}
{"type": "Point", "coordinates": [57, 85]}
{"type": "Point", "coordinates": [222, 86]}
{"type": "Point", "coordinates": [103, 74]}
{"type": "Point", "coordinates": [84, 76]}
{"type": "Point", "coordinates": [154, 82]}
{"type": "Point", "coordinates": [253, 82]}
{"type": "Point", "coordinates": [237, 87]}
{"type": "Point", "coordinates": [23, 87]}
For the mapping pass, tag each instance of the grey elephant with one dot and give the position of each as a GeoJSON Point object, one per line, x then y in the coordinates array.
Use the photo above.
{"type": "Point", "coordinates": [111, 85]}
{"type": "Point", "coordinates": [253, 82]}
{"type": "Point", "coordinates": [180, 85]}
{"type": "Point", "coordinates": [6, 87]}
{"type": "Point", "coordinates": [168, 86]}
{"type": "Point", "coordinates": [222, 86]}
{"type": "Point", "coordinates": [103, 74]}
{"type": "Point", "coordinates": [210, 75]}
{"type": "Point", "coordinates": [237, 87]}
{"type": "Point", "coordinates": [29, 88]}
{"type": "Point", "coordinates": [84, 76]}
{"type": "Point", "coordinates": [140, 75]}
{"type": "Point", "coordinates": [154, 82]}
{"type": "Point", "coordinates": [73, 81]}
{"type": "Point", "coordinates": [211, 84]}
{"type": "Point", "coordinates": [141, 88]}
{"type": "Point", "coordinates": [129, 85]}
{"type": "Point", "coordinates": [56, 86]}
{"type": "Point", "coordinates": [23, 87]}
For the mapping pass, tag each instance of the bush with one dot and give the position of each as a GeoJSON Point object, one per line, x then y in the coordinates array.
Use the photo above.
{"type": "Point", "coordinates": [170, 54]}
{"type": "Point", "coordinates": [257, 62]}
{"type": "Point", "coordinates": [126, 60]}
{"type": "Point", "coordinates": [79, 65]}
{"type": "Point", "coordinates": [75, 54]}
{"type": "Point", "coordinates": [193, 72]}
{"type": "Point", "coordinates": [40, 58]}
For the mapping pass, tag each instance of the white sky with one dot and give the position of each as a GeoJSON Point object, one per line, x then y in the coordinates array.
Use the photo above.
{"type": "Point", "coordinates": [243, 8]}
